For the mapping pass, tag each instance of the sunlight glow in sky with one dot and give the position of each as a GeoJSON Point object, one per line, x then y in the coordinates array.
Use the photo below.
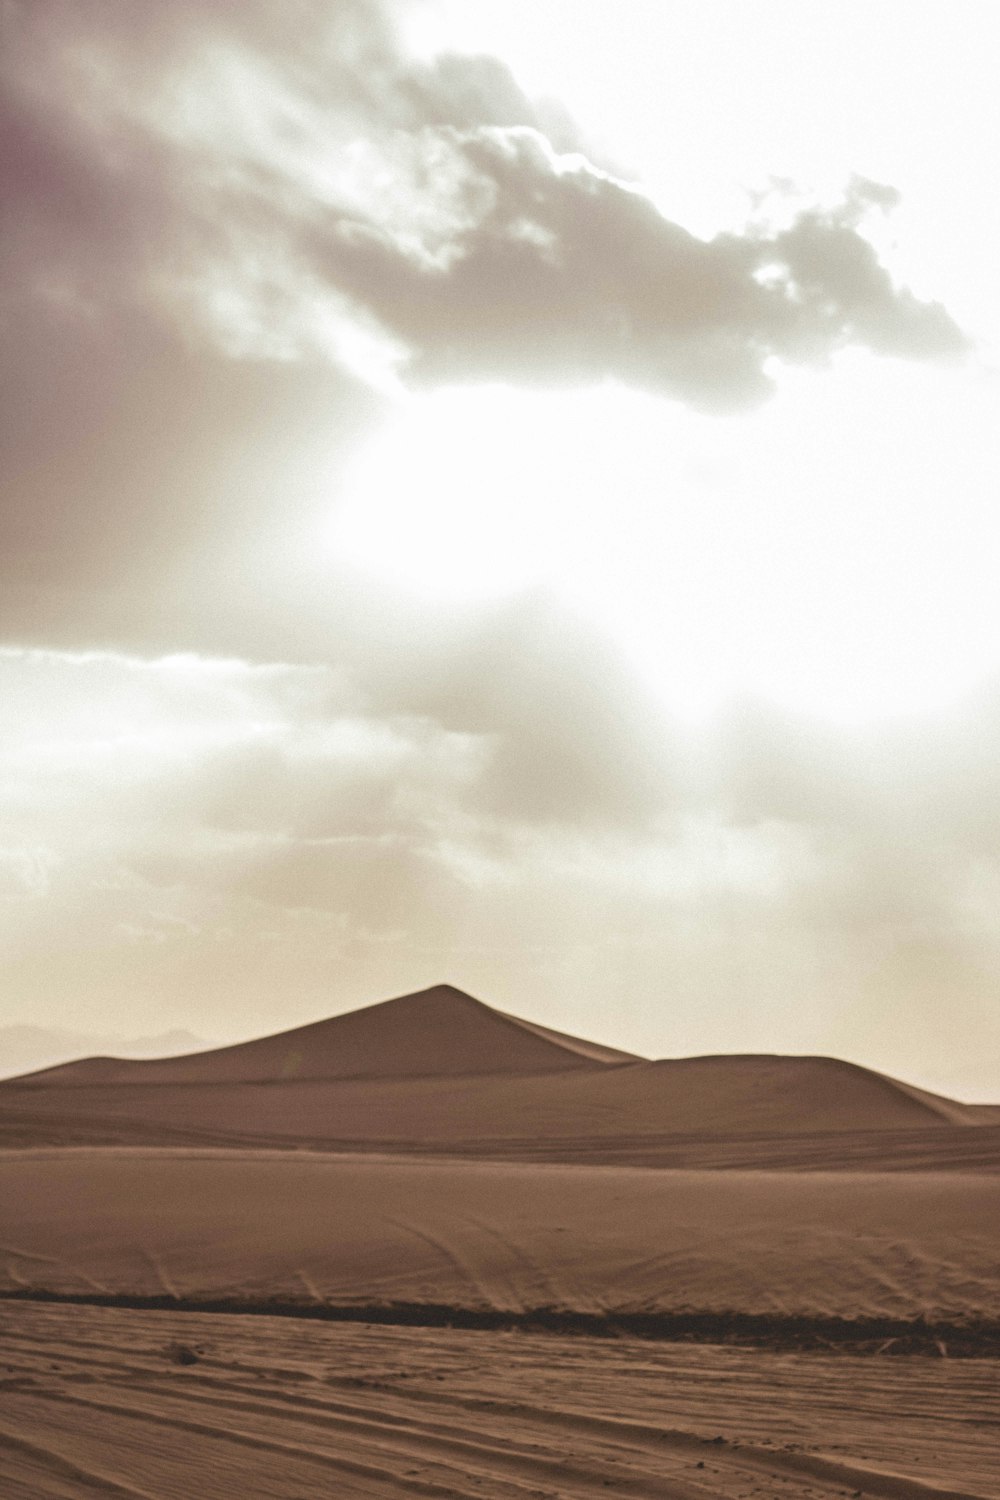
{"type": "Point", "coordinates": [830, 553]}
{"type": "Point", "coordinates": [505, 492]}
{"type": "Point", "coordinates": [833, 550]}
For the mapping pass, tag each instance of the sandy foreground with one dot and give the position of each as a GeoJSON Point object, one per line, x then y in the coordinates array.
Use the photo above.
{"type": "Point", "coordinates": [259, 1226]}
{"type": "Point", "coordinates": [166, 1406]}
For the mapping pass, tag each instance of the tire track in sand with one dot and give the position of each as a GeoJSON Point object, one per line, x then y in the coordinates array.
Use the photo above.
{"type": "Point", "coordinates": [517, 1466]}
{"type": "Point", "coordinates": [65, 1468]}
{"type": "Point", "coordinates": [493, 1471]}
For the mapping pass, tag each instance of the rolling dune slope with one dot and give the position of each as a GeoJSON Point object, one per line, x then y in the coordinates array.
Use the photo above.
{"type": "Point", "coordinates": [739, 1110]}
{"type": "Point", "coordinates": [308, 1229]}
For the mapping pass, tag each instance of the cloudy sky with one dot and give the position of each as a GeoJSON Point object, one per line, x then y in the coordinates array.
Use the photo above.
{"type": "Point", "coordinates": [504, 491]}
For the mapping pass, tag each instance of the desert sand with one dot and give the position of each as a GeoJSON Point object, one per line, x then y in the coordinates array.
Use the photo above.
{"type": "Point", "coordinates": [496, 1187]}
{"type": "Point", "coordinates": [497, 1237]}
{"type": "Point", "coordinates": [167, 1405]}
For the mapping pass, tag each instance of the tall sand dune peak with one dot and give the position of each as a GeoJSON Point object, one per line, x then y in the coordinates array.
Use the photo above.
{"type": "Point", "coordinates": [438, 1032]}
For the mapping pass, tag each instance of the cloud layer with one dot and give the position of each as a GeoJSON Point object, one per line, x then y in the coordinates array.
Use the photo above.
{"type": "Point", "coordinates": [296, 185]}
{"type": "Point", "coordinates": [206, 837]}
{"type": "Point", "coordinates": [228, 226]}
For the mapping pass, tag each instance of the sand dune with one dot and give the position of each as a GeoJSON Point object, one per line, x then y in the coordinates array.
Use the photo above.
{"type": "Point", "coordinates": [741, 1111]}
{"type": "Point", "coordinates": [440, 1032]}
{"type": "Point", "coordinates": [439, 1071]}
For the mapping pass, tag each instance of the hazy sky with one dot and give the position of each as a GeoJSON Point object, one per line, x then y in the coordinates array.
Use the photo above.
{"type": "Point", "coordinates": [506, 492]}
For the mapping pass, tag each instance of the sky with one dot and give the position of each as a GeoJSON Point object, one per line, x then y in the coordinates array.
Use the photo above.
{"type": "Point", "coordinates": [504, 493]}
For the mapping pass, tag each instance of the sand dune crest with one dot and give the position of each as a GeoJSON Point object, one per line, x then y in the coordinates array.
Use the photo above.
{"type": "Point", "coordinates": [439, 1032]}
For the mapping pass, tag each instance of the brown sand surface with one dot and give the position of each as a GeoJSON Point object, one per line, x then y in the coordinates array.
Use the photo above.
{"type": "Point", "coordinates": [782, 1112]}
{"type": "Point", "coordinates": [166, 1406]}
{"type": "Point", "coordinates": [365, 1231]}
{"type": "Point", "coordinates": [40, 1118]}
{"type": "Point", "coordinates": [436, 1161]}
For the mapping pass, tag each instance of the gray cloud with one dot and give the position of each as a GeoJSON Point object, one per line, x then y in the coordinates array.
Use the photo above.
{"type": "Point", "coordinates": [177, 403]}
{"type": "Point", "coordinates": [569, 736]}
{"type": "Point", "coordinates": [225, 222]}
{"type": "Point", "coordinates": [548, 270]}
{"type": "Point", "coordinates": [162, 163]}
{"type": "Point", "coordinates": [281, 182]}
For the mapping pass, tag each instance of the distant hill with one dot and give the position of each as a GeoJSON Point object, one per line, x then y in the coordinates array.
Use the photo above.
{"type": "Point", "coordinates": [439, 1032]}
{"type": "Point", "coordinates": [26, 1048]}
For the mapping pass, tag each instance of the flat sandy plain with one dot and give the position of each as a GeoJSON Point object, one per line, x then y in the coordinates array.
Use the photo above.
{"type": "Point", "coordinates": [506, 1263]}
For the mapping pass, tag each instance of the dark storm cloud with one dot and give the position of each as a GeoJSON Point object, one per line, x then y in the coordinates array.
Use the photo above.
{"type": "Point", "coordinates": [150, 156]}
